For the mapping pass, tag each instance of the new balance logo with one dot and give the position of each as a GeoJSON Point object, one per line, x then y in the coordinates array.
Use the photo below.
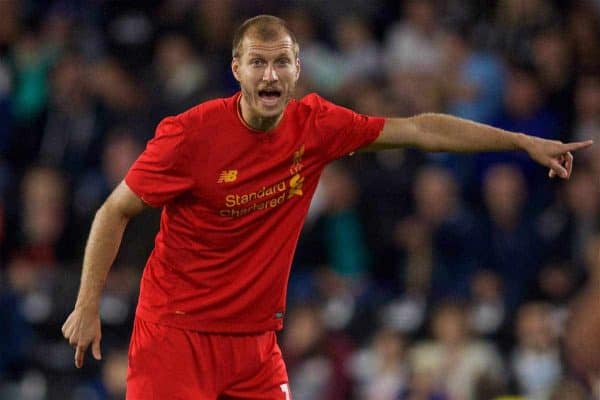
{"type": "Point", "coordinates": [229, 175]}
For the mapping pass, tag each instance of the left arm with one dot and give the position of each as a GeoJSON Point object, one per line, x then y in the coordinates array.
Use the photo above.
{"type": "Point", "coordinates": [441, 132]}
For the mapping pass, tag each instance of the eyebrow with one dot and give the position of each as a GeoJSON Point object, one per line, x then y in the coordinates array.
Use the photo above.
{"type": "Point", "coordinates": [253, 54]}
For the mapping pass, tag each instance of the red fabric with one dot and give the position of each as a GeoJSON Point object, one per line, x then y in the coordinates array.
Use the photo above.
{"type": "Point", "coordinates": [173, 363]}
{"type": "Point", "coordinates": [234, 201]}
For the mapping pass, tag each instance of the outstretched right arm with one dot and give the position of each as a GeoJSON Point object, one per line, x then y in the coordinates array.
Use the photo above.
{"type": "Point", "coordinates": [82, 327]}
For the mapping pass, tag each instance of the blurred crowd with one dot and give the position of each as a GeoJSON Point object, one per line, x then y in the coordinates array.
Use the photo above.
{"type": "Point", "coordinates": [417, 276]}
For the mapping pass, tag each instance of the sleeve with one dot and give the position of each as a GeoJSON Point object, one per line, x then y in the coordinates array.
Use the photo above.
{"type": "Point", "coordinates": [162, 171]}
{"type": "Point", "coordinates": [343, 131]}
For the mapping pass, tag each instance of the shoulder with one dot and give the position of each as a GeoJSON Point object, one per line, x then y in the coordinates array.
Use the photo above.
{"type": "Point", "coordinates": [312, 101]}
{"type": "Point", "coordinates": [314, 104]}
{"type": "Point", "coordinates": [307, 108]}
{"type": "Point", "coordinates": [193, 126]}
{"type": "Point", "coordinates": [207, 112]}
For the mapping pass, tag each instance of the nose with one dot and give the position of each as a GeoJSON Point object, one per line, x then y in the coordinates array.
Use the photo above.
{"type": "Point", "coordinates": [270, 75]}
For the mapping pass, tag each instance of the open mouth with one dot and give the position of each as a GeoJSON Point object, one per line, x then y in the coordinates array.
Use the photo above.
{"type": "Point", "coordinates": [269, 96]}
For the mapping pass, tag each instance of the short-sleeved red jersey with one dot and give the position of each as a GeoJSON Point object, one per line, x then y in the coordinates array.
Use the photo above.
{"type": "Point", "coordinates": [234, 201]}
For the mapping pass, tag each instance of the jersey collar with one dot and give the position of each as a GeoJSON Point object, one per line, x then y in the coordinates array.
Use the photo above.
{"type": "Point", "coordinates": [238, 108]}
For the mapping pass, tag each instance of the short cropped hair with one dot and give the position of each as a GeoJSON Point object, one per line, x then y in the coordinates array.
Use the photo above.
{"type": "Point", "coordinates": [264, 27]}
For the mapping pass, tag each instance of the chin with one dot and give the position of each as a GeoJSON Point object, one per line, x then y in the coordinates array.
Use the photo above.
{"type": "Point", "coordinates": [271, 112]}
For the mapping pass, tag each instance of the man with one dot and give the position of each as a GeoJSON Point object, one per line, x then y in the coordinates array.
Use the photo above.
{"type": "Point", "coordinates": [234, 178]}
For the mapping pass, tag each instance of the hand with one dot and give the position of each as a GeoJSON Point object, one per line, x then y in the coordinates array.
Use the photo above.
{"type": "Point", "coordinates": [554, 154]}
{"type": "Point", "coordinates": [81, 329]}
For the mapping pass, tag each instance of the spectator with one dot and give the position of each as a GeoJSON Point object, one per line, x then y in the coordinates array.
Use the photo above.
{"type": "Point", "coordinates": [455, 361]}
{"type": "Point", "coordinates": [517, 22]}
{"type": "Point", "coordinates": [512, 247]}
{"type": "Point", "coordinates": [44, 198]}
{"type": "Point", "coordinates": [119, 152]}
{"type": "Point", "coordinates": [412, 283]}
{"type": "Point", "coordinates": [473, 83]}
{"type": "Point", "coordinates": [413, 56]}
{"type": "Point", "coordinates": [381, 369]}
{"type": "Point", "coordinates": [474, 79]}
{"type": "Point", "coordinates": [319, 64]}
{"type": "Point", "coordinates": [583, 202]}
{"type": "Point", "coordinates": [414, 44]}
{"type": "Point", "coordinates": [524, 110]}
{"type": "Point", "coordinates": [587, 103]}
{"type": "Point", "coordinates": [342, 230]}
{"type": "Point", "coordinates": [73, 131]}
{"type": "Point", "coordinates": [536, 359]}
{"type": "Point", "coordinates": [358, 53]}
{"type": "Point", "coordinates": [584, 33]}
{"type": "Point", "coordinates": [554, 62]}
{"type": "Point", "coordinates": [179, 75]}
{"type": "Point", "coordinates": [488, 311]}
{"type": "Point", "coordinates": [454, 230]}
{"type": "Point", "coordinates": [315, 362]}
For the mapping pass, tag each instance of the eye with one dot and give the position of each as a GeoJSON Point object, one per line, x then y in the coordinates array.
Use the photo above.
{"type": "Point", "coordinates": [257, 62]}
{"type": "Point", "coordinates": [283, 61]}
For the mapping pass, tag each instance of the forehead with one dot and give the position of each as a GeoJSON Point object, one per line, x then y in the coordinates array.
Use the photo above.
{"type": "Point", "coordinates": [251, 44]}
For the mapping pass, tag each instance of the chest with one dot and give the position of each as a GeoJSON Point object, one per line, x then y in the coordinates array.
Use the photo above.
{"type": "Point", "coordinates": [243, 173]}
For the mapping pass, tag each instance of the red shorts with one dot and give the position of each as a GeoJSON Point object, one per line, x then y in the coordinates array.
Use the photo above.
{"type": "Point", "coordinates": [169, 363]}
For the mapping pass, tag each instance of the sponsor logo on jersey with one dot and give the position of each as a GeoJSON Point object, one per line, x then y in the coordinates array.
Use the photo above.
{"type": "Point", "coordinates": [226, 176]}
{"type": "Point", "coordinates": [240, 204]}
{"type": "Point", "coordinates": [297, 161]}
{"type": "Point", "coordinates": [296, 186]}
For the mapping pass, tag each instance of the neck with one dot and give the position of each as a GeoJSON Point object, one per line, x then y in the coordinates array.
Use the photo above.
{"type": "Point", "coordinates": [256, 121]}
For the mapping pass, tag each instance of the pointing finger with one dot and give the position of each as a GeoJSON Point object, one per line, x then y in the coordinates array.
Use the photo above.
{"type": "Point", "coordinates": [577, 145]}
{"type": "Point", "coordinates": [79, 353]}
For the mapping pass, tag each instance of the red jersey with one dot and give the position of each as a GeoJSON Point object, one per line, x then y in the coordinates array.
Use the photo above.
{"type": "Point", "coordinates": [234, 201]}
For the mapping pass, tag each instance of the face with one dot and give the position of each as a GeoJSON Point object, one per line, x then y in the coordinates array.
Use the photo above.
{"type": "Point", "coordinates": [267, 72]}
{"type": "Point", "coordinates": [449, 326]}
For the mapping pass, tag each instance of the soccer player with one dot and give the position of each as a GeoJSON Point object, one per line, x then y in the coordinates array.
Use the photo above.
{"type": "Point", "coordinates": [234, 178]}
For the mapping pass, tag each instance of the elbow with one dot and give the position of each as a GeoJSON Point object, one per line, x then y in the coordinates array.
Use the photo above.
{"type": "Point", "coordinates": [420, 136]}
{"type": "Point", "coordinates": [427, 134]}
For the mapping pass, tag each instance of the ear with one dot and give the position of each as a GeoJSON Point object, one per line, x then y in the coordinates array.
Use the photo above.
{"type": "Point", "coordinates": [235, 66]}
{"type": "Point", "coordinates": [297, 68]}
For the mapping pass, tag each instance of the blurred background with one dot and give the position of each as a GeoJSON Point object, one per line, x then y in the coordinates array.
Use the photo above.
{"type": "Point", "coordinates": [418, 276]}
